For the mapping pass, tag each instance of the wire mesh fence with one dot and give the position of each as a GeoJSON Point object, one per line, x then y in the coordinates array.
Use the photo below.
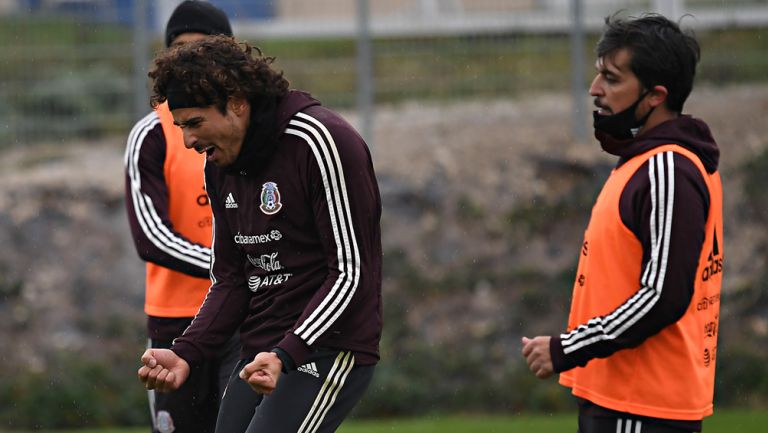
{"type": "Point", "coordinates": [72, 69]}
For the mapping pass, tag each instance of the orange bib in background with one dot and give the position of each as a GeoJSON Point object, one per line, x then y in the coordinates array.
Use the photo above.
{"type": "Point", "coordinates": [170, 293]}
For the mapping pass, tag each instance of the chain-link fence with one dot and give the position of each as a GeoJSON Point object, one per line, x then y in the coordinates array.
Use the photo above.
{"type": "Point", "coordinates": [74, 69]}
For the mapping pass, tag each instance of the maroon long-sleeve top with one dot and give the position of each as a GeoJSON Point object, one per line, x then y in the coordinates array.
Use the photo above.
{"type": "Point", "coordinates": [296, 261]}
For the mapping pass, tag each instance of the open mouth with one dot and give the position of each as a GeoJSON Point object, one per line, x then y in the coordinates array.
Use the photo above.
{"type": "Point", "coordinates": [208, 150]}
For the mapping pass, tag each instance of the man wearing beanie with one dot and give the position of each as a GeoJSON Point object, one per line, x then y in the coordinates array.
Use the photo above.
{"type": "Point", "coordinates": [196, 17]}
{"type": "Point", "coordinates": [170, 221]}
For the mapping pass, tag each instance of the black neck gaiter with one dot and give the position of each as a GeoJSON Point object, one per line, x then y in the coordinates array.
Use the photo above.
{"type": "Point", "coordinates": [617, 131]}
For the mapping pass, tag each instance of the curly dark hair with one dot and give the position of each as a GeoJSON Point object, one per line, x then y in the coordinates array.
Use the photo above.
{"type": "Point", "coordinates": [661, 53]}
{"type": "Point", "coordinates": [215, 68]}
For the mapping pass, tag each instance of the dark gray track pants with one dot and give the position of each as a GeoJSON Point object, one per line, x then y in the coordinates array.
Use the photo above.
{"type": "Point", "coordinates": [315, 398]}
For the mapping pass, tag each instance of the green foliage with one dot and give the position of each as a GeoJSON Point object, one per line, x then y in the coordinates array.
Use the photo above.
{"type": "Point", "coordinates": [75, 103]}
{"type": "Point", "coordinates": [73, 391]}
{"type": "Point", "coordinates": [742, 372]}
{"type": "Point", "coordinates": [429, 381]}
{"type": "Point", "coordinates": [31, 30]}
{"type": "Point", "coordinates": [576, 187]}
{"type": "Point", "coordinates": [9, 289]}
{"type": "Point", "coordinates": [65, 78]}
{"type": "Point", "coordinates": [508, 64]}
{"type": "Point", "coordinates": [755, 179]}
{"type": "Point", "coordinates": [485, 374]}
{"type": "Point", "coordinates": [425, 67]}
{"type": "Point", "coordinates": [733, 55]}
{"type": "Point", "coordinates": [468, 211]}
{"type": "Point", "coordinates": [742, 377]}
{"type": "Point", "coordinates": [455, 67]}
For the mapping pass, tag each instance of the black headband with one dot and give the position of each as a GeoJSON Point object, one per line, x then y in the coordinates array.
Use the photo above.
{"type": "Point", "coordinates": [178, 97]}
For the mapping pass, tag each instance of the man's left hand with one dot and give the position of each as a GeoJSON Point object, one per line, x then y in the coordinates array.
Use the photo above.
{"type": "Point", "coordinates": [536, 353]}
{"type": "Point", "coordinates": [263, 372]}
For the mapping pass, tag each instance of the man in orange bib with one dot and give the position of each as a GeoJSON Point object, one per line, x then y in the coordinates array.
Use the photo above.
{"type": "Point", "coordinates": [170, 220]}
{"type": "Point", "coordinates": [640, 350]}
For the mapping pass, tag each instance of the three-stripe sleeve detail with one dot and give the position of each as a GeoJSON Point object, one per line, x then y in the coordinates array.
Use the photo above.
{"type": "Point", "coordinates": [661, 172]}
{"type": "Point", "coordinates": [323, 147]}
{"type": "Point", "coordinates": [330, 390]}
{"type": "Point", "coordinates": [146, 213]}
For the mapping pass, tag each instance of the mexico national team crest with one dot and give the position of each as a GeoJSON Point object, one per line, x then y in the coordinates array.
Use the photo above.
{"type": "Point", "coordinates": [270, 199]}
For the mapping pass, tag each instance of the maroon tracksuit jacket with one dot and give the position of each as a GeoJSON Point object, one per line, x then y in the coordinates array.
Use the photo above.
{"type": "Point", "coordinates": [296, 256]}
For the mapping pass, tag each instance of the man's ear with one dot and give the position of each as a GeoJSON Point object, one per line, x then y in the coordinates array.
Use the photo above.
{"type": "Point", "coordinates": [237, 105]}
{"type": "Point", "coordinates": [658, 95]}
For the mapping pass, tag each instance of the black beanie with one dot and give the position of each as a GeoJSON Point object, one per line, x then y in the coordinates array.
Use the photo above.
{"type": "Point", "coordinates": [193, 16]}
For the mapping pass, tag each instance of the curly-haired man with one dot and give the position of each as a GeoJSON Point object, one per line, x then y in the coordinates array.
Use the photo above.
{"type": "Point", "coordinates": [170, 222]}
{"type": "Point", "coordinates": [296, 263]}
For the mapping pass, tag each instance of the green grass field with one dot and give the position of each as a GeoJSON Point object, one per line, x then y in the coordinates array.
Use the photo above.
{"type": "Point", "coordinates": [724, 421]}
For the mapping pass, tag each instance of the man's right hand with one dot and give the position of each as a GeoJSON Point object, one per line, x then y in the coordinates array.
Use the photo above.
{"type": "Point", "coordinates": [163, 370]}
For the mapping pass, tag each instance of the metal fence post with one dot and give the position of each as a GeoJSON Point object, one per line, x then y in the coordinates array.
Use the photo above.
{"type": "Point", "coordinates": [140, 58]}
{"type": "Point", "coordinates": [578, 128]}
{"type": "Point", "coordinates": [365, 72]}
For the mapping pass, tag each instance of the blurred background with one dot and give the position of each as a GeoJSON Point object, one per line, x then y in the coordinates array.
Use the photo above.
{"type": "Point", "coordinates": [478, 116]}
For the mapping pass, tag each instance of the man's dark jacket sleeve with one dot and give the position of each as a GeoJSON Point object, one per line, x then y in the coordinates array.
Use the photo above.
{"type": "Point", "coordinates": [146, 197]}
